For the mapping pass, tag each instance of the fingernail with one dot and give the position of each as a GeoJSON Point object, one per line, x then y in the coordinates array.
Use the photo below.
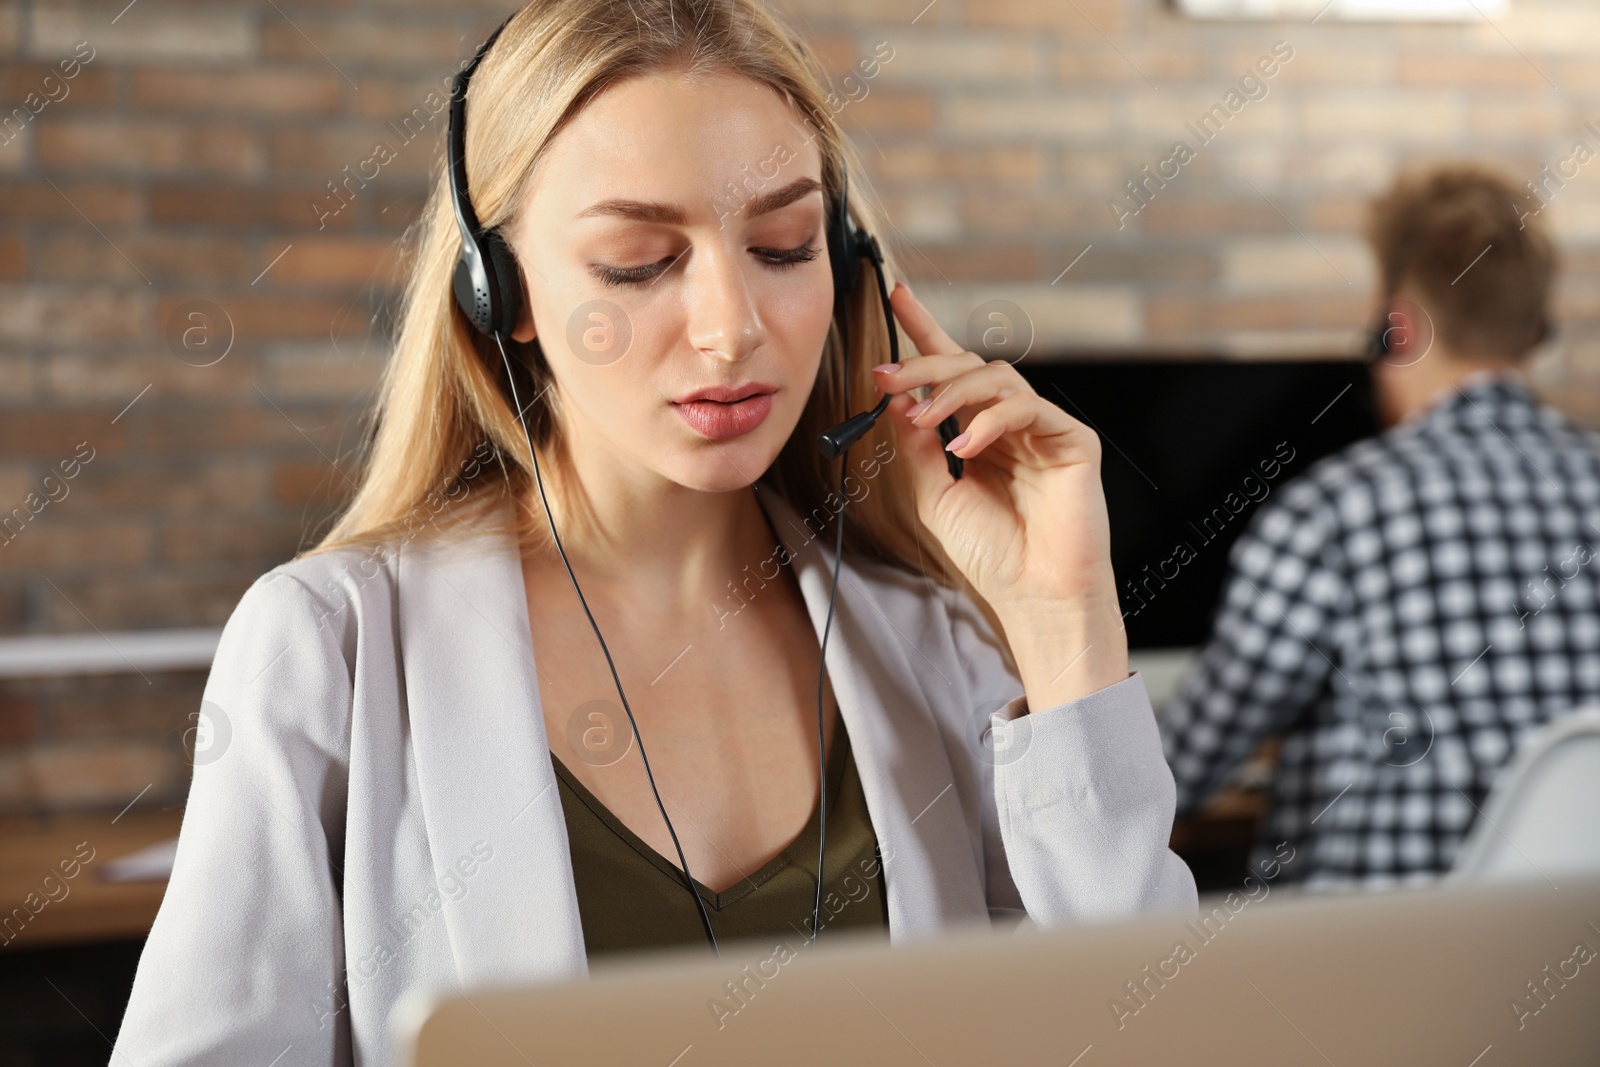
{"type": "Point", "coordinates": [957, 442]}
{"type": "Point", "coordinates": [886, 368]}
{"type": "Point", "coordinates": [918, 408]}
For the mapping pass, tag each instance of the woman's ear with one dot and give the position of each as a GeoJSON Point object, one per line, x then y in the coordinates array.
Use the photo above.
{"type": "Point", "coordinates": [524, 331]}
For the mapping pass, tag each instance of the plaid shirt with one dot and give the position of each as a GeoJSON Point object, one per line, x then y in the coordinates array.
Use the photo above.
{"type": "Point", "coordinates": [1402, 615]}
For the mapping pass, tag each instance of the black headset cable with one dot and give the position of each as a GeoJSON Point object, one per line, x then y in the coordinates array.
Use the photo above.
{"type": "Point", "coordinates": [705, 920]}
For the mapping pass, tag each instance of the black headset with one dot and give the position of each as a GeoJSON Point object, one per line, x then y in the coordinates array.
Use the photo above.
{"type": "Point", "coordinates": [1377, 340]}
{"type": "Point", "coordinates": [488, 287]}
{"type": "Point", "coordinates": [488, 290]}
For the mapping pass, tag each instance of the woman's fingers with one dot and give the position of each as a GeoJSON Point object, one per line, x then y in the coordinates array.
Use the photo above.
{"type": "Point", "coordinates": [981, 386]}
{"type": "Point", "coordinates": [914, 371]}
{"type": "Point", "coordinates": [920, 325]}
{"type": "Point", "coordinates": [1001, 403]}
{"type": "Point", "coordinates": [991, 384]}
{"type": "Point", "coordinates": [1003, 400]}
{"type": "Point", "coordinates": [930, 475]}
{"type": "Point", "coordinates": [1037, 433]}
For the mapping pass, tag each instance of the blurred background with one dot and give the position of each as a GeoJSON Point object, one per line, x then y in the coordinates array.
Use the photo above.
{"type": "Point", "coordinates": [198, 204]}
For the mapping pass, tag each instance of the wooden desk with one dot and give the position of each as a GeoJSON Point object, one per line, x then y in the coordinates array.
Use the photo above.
{"type": "Point", "coordinates": [1215, 842]}
{"type": "Point", "coordinates": [1230, 819]}
{"type": "Point", "coordinates": [91, 909]}
{"type": "Point", "coordinates": [94, 910]}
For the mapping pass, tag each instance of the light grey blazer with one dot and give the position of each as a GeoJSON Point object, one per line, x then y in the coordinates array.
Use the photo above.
{"type": "Point", "coordinates": [374, 807]}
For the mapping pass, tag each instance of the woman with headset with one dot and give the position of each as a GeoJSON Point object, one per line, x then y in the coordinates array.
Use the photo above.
{"type": "Point", "coordinates": [617, 633]}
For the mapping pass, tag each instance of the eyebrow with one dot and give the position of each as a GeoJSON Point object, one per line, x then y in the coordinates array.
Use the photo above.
{"type": "Point", "coordinates": [673, 215]}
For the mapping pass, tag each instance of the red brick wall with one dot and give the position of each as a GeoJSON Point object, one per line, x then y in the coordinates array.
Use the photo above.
{"type": "Point", "coordinates": [183, 162]}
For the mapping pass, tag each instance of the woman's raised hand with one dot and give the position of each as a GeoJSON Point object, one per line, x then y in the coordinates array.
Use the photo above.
{"type": "Point", "coordinates": [1026, 523]}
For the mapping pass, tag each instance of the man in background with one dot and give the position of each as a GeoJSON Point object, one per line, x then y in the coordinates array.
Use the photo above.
{"type": "Point", "coordinates": [1407, 611]}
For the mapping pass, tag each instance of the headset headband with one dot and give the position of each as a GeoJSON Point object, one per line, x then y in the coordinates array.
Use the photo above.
{"type": "Point", "coordinates": [456, 157]}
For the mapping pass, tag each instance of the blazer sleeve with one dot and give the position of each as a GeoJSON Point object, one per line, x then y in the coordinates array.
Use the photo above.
{"type": "Point", "coordinates": [1083, 797]}
{"type": "Point", "coordinates": [245, 961]}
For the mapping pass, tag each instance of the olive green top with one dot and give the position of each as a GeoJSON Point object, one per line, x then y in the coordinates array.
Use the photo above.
{"type": "Point", "coordinates": [631, 897]}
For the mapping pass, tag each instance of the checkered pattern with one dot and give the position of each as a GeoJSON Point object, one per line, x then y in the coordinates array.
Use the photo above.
{"type": "Point", "coordinates": [1402, 616]}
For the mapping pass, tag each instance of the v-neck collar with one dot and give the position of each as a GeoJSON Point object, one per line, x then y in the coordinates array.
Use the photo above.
{"type": "Point", "coordinates": [806, 839]}
{"type": "Point", "coordinates": [465, 644]}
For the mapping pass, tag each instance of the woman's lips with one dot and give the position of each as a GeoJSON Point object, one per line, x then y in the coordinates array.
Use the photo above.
{"type": "Point", "coordinates": [711, 418]}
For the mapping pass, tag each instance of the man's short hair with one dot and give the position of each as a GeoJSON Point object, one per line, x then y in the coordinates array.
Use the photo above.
{"type": "Point", "coordinates": [1470, 246]}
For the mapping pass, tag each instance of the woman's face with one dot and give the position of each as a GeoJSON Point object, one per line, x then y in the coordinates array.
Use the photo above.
{"type": "Point", "coordinates": [673, 241]}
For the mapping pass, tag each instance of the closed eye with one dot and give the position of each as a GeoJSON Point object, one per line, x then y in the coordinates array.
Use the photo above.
{"type": "Point", "coordinates": [776, 258]}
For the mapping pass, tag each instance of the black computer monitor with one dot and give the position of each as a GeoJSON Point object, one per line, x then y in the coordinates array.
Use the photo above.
{"type": "Point", "coordinates": [1189, 450]}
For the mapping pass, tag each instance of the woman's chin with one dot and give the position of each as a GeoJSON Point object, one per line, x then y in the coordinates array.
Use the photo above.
{"type": "Point", "coordinates": [724, 465]}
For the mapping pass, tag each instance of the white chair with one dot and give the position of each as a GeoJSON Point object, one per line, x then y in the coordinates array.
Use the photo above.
{"type": "Point", "coordinates": [1542, 818]}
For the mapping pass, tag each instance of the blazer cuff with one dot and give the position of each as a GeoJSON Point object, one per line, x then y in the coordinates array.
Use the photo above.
{"type": "Point", "coordinates": [1115, 693]}
{"type": "Point", "coordinates": [1044, 754]}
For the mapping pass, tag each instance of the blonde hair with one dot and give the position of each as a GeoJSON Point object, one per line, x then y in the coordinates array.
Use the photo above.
{"type": "Point", "coordinates": [447, 443]}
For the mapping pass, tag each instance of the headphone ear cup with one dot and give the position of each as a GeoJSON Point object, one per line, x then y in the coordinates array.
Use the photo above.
{"type": "Point", "coordinates": [506, 279]}
{"type": "Point", "coordinates": [471, 287]}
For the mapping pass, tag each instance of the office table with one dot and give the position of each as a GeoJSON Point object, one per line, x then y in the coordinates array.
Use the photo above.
{"type": "Point", "coordinates": [83, 908]}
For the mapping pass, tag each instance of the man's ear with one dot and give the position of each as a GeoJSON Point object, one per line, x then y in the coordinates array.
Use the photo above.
{"type": "Point", "coordinates": [1410, 331]}
{"type": "Point", "coordinates": [524, 331]}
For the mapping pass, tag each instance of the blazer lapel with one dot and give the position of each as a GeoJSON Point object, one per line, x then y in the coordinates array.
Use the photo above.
{"type": "Point", "coordinates": [932, 875]}
{"type": "Point", "coordinates": [485, 775]}
{"type": "Point", "coordinates": [482, 759]}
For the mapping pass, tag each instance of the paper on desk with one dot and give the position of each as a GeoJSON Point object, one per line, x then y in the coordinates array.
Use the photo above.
{"type": "Point", "coordinates": [151, 864]}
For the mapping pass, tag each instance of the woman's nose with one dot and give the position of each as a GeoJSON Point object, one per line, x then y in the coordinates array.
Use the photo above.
{"type": "Point", "coordinates": [724, 313]}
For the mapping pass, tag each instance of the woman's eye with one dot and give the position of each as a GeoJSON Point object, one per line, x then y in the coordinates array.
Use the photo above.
{"type": "Point", "coordinates": [777, 258]}
{"type": "Point", "coordinates": [784, 258]}
{"type": "Point", "coordinates": [632, 275]}
{"type": "Point", "coordinates": [626, 275]}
